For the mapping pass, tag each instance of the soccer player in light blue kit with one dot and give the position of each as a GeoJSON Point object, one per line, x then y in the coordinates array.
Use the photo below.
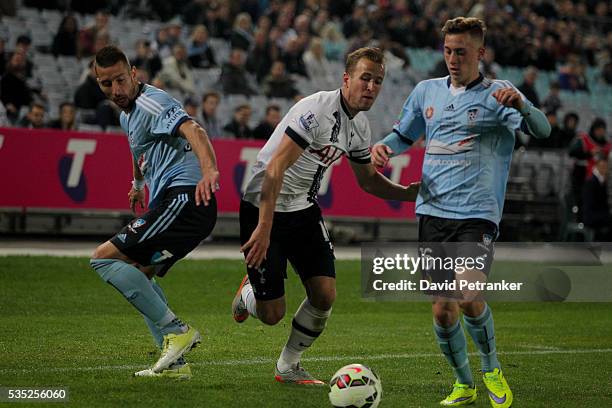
{"type": "Point", "coordinates": [469, 124]}
{"type": "Point", "coordinates": [172, 155]}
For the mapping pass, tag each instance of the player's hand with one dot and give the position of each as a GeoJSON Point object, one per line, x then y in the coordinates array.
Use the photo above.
{"type": "Point", "coordinates": [509, 97]}
{"type": "Point", "coordinates": [380, 154]}
{"type": "Point", "coordinates": [207, 186]}
{"type": "Point", "coordinates": [257, 246]}
{"type": "Point", "coordinates": [412, 191]}
{"type": "Point", "coordinates": [136, 197]}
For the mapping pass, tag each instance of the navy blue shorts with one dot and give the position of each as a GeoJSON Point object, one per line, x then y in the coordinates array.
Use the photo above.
{"type": "Point", "coordinates": [168, 232]}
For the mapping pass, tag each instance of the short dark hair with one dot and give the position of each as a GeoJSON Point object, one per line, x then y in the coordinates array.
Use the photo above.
{"type": "Point", "coordinates": [272, 107]}
{"type": "Point", "coordinates": [212, 94]}
{"type": "Point", "coordinates": [23, 39]}
{"type": "Point", "coordinates": [471, 25]}
{"type": "Point", "coordinates": [371, 53]}
{"type": "Point", "coordinates": [241, 107]}
{"type": "Point", "coordinates": [109, 56]}
{"type": "Point", "coordinates": [37, 105]}
{"type": "Point", "coordinates": [65, 104]}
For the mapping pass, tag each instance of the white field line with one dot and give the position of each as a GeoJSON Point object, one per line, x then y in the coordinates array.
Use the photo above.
{"type": "Point", "coordinates": [258, 361]}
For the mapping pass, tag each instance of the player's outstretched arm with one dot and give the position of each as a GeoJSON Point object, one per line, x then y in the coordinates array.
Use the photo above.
{"type": "Point", "coordinates": [371, 181]}
{"type": "Point", "coordinates": [393, 144]}
{"type": "Point", "coordinates": [535, 118]}
{"type": "Point", "coordinates": [200, 145]}
{"type": "Point", "coordinates": [285, 155]}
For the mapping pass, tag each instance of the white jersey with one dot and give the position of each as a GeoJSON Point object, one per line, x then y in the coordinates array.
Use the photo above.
{"type": "Point", "coordinates": [323, 127]}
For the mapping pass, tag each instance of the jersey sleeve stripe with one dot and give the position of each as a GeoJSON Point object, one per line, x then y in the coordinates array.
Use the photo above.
{"type": "Point", "coordinates": [297, 138]}
{"type": "Point", "coordinates": [152, 102]}
{"type": "Point", "coordinates": [404, 138]}
{"type": "Point", "coordinates": [178, 124]}
{"type": "Point", "coordinates": [360, 160]}
{"type": "Point", "coordinates": [146, 107]}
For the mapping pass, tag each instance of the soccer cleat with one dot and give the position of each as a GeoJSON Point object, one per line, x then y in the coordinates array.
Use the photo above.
{"type": "Point", "coordinates": [239, 310]}
{"type": "Point", "coordinates": [296, 375]}
{"type": "Point", "coordinates": [500, 395]}
{"type": "Point", "coordinates": [180, 373]}
{"type": "Point", "coordinates": [462, 394]}
{"type": "Point", "coordinates": [176, 345]}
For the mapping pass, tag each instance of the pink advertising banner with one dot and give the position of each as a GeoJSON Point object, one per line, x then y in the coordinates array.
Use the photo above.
{"type": "Point", "coordinates": [50, 169]}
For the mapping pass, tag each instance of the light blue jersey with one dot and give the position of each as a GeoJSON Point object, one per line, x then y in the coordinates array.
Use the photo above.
{"type": "Point", "coordinates": [469, 140]}
{"type": "Point", "coordinates": [164, 158]}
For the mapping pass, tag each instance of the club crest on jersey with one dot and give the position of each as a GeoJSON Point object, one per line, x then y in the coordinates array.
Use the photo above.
{"type": "Point", "coordinates": [429, 112]}
{"type": "Point", "coordinates": [308, 121]}
{"type": "Point", "coordinates": [472, 114]}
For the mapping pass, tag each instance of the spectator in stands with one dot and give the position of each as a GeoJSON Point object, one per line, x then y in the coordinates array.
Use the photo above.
{"type": "Point", "coordinates": [14, 90]}
{"type": "Point", "coordinates": [210, 103]}
{"type": "Point", "coordinates": [4, 57]}
{"type": "Point", "coordinates": [66, 40]}
{"type": "Point", "coordinates": [199, 51]}
{"type": "Point", "coordinates": [234, 79]}
{"type": "Point", "coordinates": [35, 118]}
{"type": "Point", "coordinates": [268, 124]}
{"type": "Point", "coordinates": [546, 58]}
{"type": "Point", "coordinates": [292, 57]}
{"type": "Point", "coordinates": [278, 84]}
{"type": "Point", "coordinates": [488, 66]}
{"type": "Point", "coordinates": [572, 75]}
{"type": "Point", "coordinates": [318, 68]}
{"type": "Point", "coordinates": [218, 19]}
{"type": "Point", "coordinates": [176, 72]}
{"type": "Point", "coordinates": [583, 149]}
{"type": "Point", "coordinates": [88, 94]}
{"type": "Point", "coordinates": [354, 23]}
{"type": "Point", "coordinates": [146, 58]}
{"type": "Point", "coordinates": [191, 107]}
{"type": "Point", "coordinates": [570, 126]}
{"type": "Point", "coordinates": [552, 102]}
{"type": "Point", "coordinates": [596, 212]}
{"type": "Point", "coordinates": [261, 56]}
{"type": "Point", "coordinates": [555, 139]}
{"type": "Point", "coordinates": [4, 120]}
{"type": "Point", "coordinates": [606, 73]}
{"type": "Point", "coordinates": [23, 45]}
{"type": "Point", "coordinates": [527, 88]}
{"type": "Point", "coordinates": [334, 43]}
{"type": "Point", "coordinates": [241, 36]}
{"type": "Point", "coordinates": [239, 126]}
{"type": "Point", "coordinates": [88, 35]}
{"type": "Point", "coordinates": [67, 118]}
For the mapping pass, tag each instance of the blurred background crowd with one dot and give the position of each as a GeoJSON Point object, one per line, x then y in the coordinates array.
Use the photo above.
{"type": "Point", "coordinates": [237, 66]}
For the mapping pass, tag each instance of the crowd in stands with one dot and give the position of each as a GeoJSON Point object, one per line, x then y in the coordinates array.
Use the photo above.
{"type": "Point", "coordinates": [274, 44]}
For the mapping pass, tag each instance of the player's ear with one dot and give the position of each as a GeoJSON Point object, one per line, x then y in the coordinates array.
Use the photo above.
{"type": "Point", "coordinates": [481, 52]}
{"type": "Point", "coordinates": [345, 78]}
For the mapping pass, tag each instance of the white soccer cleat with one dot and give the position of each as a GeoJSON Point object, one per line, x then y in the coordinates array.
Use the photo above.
{"type": "Point", "coordinates": [175, 346]}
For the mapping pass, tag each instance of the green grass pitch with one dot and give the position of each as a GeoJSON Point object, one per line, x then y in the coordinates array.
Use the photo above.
{"type": "Point", "coordinates": [60, 325]}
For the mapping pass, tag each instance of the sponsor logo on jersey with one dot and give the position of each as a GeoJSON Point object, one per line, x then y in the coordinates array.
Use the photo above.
{"type": "Point", "coordinates": [450, 108]}
{"type": "Point", "coordinates": [462, 146]}
{"type": "Point", "coordinates": [308, 121]}
{"type": "Point", "coordinates": [174, 113]}
{"type": "Point", "coordinates": [429, 112]}
{"type": "Point", "coordinates": [122, 237]}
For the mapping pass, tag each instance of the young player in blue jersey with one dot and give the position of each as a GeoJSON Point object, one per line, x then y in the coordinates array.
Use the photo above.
{"type": "Point", "coordinates": [469, 124]}
{"type": "Point", "coordinates": [173, 157]}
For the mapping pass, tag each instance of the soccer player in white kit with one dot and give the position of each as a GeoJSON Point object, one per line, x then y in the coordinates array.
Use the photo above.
{"type": "Point", "coordinates": [280, 220]}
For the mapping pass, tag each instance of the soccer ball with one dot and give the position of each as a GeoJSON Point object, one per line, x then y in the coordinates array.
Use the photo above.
{"type": "Point", "coordinates": [356, 386]}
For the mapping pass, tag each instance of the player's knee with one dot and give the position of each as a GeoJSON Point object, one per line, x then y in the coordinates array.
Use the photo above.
{"type": "Point", "coordinates": [444, 316]}
{"type": "Point", "coordinates": [270, 315]}
{"type": "Point", "coordinates": [324, 301]}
